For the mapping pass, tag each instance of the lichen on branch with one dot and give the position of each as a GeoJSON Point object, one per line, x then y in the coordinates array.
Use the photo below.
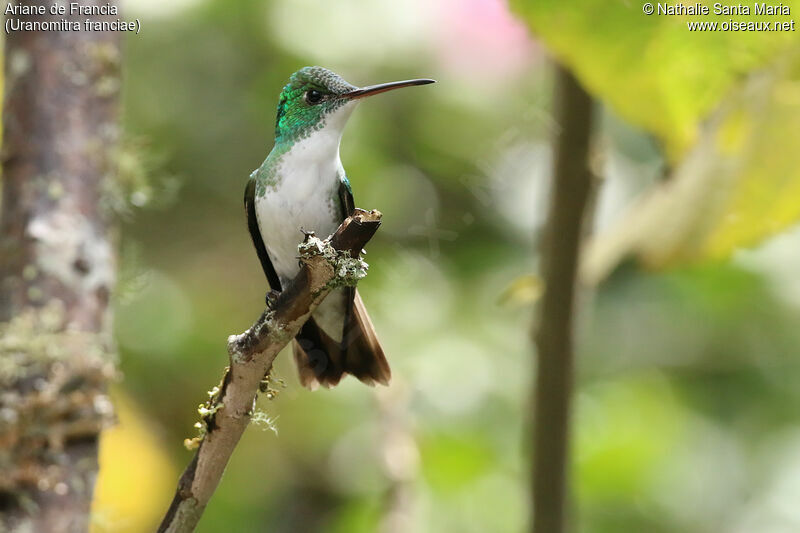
{"type": "Point", "coordinates": [53, 392]}
{"type": "Point", "coordinates": [348, 270]}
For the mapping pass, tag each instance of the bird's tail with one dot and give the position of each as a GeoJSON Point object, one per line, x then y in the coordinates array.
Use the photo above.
{"type": "Point", "coordinates": [324, 361]}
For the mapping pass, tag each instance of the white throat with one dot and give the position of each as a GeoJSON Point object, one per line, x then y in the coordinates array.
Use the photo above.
{"type": "Point", "coordinates": [321, 147]}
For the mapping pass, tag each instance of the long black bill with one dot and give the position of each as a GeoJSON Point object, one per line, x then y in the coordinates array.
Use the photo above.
{"type": "Point", "coordinates": [383, 87]}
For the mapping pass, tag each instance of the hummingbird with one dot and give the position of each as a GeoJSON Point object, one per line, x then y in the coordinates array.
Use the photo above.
{"type": "Point", "coordinates": [302, 187]}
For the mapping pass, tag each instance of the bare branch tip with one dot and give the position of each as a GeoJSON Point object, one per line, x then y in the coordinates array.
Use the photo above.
{"type": "Point", "coordinates": [362, 216]}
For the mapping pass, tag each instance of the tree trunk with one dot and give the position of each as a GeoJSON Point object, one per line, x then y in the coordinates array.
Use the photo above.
{"type": "Point", "coordinates": [554, 333]}
{"type": "Point", "coordinates": [56, 270]}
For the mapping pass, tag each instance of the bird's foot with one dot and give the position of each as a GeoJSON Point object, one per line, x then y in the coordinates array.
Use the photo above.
{"type": "Point", "coordinates": [271, 299]}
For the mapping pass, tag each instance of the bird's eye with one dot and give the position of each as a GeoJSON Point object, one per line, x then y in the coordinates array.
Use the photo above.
{"type": "Point", "coordinates": [313, 96]}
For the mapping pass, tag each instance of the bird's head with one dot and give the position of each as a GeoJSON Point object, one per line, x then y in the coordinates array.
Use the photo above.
{"type": "Point", "coordinates": [317, 98]}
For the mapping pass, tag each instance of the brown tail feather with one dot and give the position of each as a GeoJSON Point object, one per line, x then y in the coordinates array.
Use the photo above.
{"type": "Point", "coordinates": [364, 357]}
{"type": "Point", "coordinates": [319, 358]}
{"type": "Point", "coordinates": [305, 371]}
{"type": "Point", "coordinates": [323, 361]}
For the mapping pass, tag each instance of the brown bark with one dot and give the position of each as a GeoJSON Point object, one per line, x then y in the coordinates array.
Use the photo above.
{"type": "Point", "coordinates": [250, 358]}
{"type": "Point", "coordinates": [56, 271]}
{"type": "Point", "coordinates": [554, 332]}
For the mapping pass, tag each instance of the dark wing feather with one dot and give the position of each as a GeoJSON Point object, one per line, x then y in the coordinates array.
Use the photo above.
{"type": "Point", "coordinates": [319, 358]}
{"type": "Point", "coordinates": [255, 234]}
{"type": "Point", "coordinates": [347, 206]}
{"type": "Point", "coordinates": [346, 198]}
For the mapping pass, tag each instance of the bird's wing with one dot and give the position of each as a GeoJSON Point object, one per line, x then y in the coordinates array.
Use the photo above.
{"type": "Point", "coordinates": [346, 206]}
{"type": "Point", "coordinates": [255, 234]}
{"type": "Point", "coordinates": [346, 197]}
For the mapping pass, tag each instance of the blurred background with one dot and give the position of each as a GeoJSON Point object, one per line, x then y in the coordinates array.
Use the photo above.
{"type": "Point", "coordinates": [686, 416]}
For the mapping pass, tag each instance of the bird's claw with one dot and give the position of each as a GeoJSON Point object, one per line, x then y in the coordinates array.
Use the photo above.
{"type": "Point", "coordinates": [272, 298]}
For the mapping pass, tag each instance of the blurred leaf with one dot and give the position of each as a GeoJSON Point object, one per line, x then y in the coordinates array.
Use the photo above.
{"type": "Point", "coordinates": [136, 477]}
{"type": "Point", "coordinates": [620, 447]}
{"type": "Point", "coordinates": [738, 185]}
{"type": "Point", "coordinates": [452, 463]}
{"type": "Point", "coordinates": [735, 181]}
{"type": "Point", "coordinates": [522, 291]}
{"type": "Point", "coordinates": [357, 516]}
{"type": "Point", "coordinates": [138, 181]}
{"type": "Point", "coordinates": [652, 70]}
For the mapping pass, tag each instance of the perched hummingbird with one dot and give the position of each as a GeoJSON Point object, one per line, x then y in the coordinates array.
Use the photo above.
{"type": "Point", "coordinates": [302, 186]}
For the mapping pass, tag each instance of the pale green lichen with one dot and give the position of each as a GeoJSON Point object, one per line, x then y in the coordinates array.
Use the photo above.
{"type": "Point", "coordinates": [348, 270]}
{"type": "Point", "coordinates": [206, 410]}
{"type": "Point", "coordinates": [53, 384]}
{"type": "Point", "coordinates": [35, 294]}
{"type": "Point", "coordinates": [29, 272]}
{"type": "Point", "coordinates": [55, 189]}
{"type": "Point", "coordinates": [135, 179]}
{"type": "Point", "coordinates": [19, 64]}
{"type": "Point", "coordinates": [269, 388]}
{"type": "Point", "coordinates": [106, 62]}
{"type": "Point", "coordinates": [275, 330]}
{"type": "Point", "coordinates": [269, 385]}
{"type": "Point", "coordinates": [261, 418]}
{"type": "Point", "coordinates": [34, 340]}
{"type": "Point", "coordinates": [107, 86]}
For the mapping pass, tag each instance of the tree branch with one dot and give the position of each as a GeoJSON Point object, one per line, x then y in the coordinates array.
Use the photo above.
{"type": "Point", "coordinates": [326, 265]}
{"type": "Point", "coordinates": [554, 333]}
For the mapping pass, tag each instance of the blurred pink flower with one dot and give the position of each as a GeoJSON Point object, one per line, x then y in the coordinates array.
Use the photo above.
{"type": "Point", "coordinates": [482, 37]}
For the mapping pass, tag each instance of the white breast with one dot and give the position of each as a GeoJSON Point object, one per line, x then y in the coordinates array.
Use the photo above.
{"type": "Point", "coordinates": [305, 197]}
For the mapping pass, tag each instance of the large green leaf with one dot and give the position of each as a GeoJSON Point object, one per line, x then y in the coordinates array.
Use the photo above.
{"type": "Point", "coordinates": [652, 70]}
{"type": "Point", "coordinates": [739, 184]}
{"type": "Point", "coordinates": [726, 106]}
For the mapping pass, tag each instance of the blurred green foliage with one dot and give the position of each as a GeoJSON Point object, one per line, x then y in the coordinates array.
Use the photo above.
{"type": "Point", "coordinates": [652, 69]}
{"type": "Point", "coordinates": [725, 106]}
{"type": "Point", "coordinates": [686, 403]}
